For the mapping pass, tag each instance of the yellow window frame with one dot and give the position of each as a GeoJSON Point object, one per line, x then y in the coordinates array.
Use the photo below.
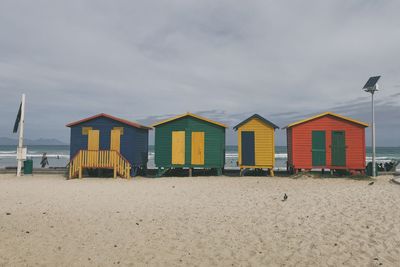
{"type": "Point", "coordinates": [85, 130]}
{"type": "Point", "coordinates": [121, 130]}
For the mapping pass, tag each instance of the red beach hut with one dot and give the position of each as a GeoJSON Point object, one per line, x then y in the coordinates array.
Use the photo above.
{"type": "Point", "coordinates": [326, 141]}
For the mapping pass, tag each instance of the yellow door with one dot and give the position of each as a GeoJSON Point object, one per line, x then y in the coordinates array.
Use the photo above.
{"type": "Point", "coordinates": [93, 139]}
{"type": "Point", "coordinates": [115, 140]}
{"type": "Point", "coordinates": [178, 147]}
{"type": "Point", "coordinates": [198, 148]}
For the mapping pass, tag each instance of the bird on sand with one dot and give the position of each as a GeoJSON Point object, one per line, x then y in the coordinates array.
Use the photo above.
{"type": "Point", "coordinates": [285, 197]}
{"type": "Point", "coordinates": [371, 183]}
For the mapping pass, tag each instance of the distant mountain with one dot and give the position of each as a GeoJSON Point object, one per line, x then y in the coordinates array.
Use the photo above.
{"type": "Point", "coordinates": [5, 141]}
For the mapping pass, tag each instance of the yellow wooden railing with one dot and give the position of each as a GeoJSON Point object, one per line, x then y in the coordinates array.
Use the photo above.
{"type": "Point", "coordinates": [99, 159]}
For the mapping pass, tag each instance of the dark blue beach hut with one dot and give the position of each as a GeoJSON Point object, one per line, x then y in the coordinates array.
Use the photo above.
{"type": "Point", "coordinates": [107, 142]}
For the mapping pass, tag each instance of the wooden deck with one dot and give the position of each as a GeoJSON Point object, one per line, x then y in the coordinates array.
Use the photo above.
{"type": "Point", "coordinates": [99, 159]}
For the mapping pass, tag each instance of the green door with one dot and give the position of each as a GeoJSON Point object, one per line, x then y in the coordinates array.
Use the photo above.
{"type": "Point", "coordinates": [318, 148]}
{"type": "Point", "coordinates": [338, 148]}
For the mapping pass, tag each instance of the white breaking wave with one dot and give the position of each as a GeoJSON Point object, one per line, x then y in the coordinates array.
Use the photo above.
{"type": "Point", "coordinates": [8, 152]}
{"type": "Point", "coordinates": [48, 155]}
{"type": "Point", "coordinates": [14, 155]}
{"type": "Point", "coordinates": [380, 158]}
{"type": "Point", "coordinates": [228, 155]}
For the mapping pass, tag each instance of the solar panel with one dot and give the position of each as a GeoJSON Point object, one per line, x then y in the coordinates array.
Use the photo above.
{"type": "Point", "coordinates": [371, 82]}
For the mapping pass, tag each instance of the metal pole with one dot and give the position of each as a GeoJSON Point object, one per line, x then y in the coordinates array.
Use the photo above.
{"type": "Point", "coordinates": [21, 136]}
{"type": "Point", "coordinates": [373, 137]}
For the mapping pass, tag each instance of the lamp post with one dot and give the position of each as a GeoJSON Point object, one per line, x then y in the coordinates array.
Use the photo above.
{"type": "Point", "coordinates": [371, 87]}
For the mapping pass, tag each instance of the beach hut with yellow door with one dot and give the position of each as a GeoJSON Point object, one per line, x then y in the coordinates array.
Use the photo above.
{"type": "Point", "coordinates": [256, 145]}
{"type": "Point", "coordinates": [189, 141]}
{"type": "Point", "coordinates": [107, 142]}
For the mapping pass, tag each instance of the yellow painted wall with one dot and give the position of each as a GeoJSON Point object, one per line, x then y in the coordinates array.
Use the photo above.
{"type": "Point", "coordinates": [178, 147]}
{"type": "Point", "coordinates": [115, 140]}
{"type": "Point", "coordinates": [198, 148]}
{"type": "Point", "coordinates": [93, 139]}
{"type": "Point", "coordinates": [264, 143]}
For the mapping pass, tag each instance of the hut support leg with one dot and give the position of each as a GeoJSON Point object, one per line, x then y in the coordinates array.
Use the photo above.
{"type": "Point", "coordinates": [271, 171]}
{"type": "Point", "coordinates": [115, 172]}
{"type": "Point", "coordinates": [190, 172]}
{"type": "Point", "coordinates": [80, 173]}
{"type": "Point", "coordinates": [144, 171]}
{"type": "Point", "coordinates": [323, 171]}
{"type": "Point", "coordinates": [162, 171]}
{"type": "Point", "coordinates": [219, 171]}
{"type": "Point", "coordinates": [241, 172]}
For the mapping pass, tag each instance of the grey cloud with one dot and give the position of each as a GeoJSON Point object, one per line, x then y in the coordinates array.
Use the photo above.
{"type": "Point", "coordinates": [223, 59]}
{"type": "Point", "coordinates": [395, 95]}
{"type": "Point", "coordinates": [284, 113]}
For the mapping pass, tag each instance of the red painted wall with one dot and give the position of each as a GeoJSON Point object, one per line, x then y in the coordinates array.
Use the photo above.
{"type": "Point", "coordinates": [300, 143]}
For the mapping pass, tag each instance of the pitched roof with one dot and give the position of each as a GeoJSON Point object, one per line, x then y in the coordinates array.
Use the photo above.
{"type": "Point", "coordinates": [130, 123]}
{"type": "Point", "coordinates": [327, 114]}
{"type": "Point", "coordinates": [190, 115]}
{"type": "Point", "coordinates": [256, 116]}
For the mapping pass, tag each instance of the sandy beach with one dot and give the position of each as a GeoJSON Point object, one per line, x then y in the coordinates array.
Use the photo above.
{"type": "Point", "coordinates": [203, 221]}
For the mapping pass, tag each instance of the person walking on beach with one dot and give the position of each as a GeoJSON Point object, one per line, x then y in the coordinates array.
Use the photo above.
{"type": "Point", "coordinates": [44, 161]}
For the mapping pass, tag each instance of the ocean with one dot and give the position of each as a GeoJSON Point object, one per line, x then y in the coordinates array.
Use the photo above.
{"type": "Point", "coordinates": [58, 156]}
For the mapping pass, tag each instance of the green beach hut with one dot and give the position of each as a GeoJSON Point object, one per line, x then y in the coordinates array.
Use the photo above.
{"type": "Point", "coordinates": [189, 141]}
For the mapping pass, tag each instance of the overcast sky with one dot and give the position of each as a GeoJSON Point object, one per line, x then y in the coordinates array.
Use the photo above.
{"type": "Point", "coordinates": [147, 60]}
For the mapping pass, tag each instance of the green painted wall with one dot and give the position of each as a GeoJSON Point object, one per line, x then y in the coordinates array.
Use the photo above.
{"type": "Point", "coordinates": [318, 148]}
{"type": "Point", "coordinates": [338, 149]}
{"type": "Point", "coordinates": [214, 143]}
